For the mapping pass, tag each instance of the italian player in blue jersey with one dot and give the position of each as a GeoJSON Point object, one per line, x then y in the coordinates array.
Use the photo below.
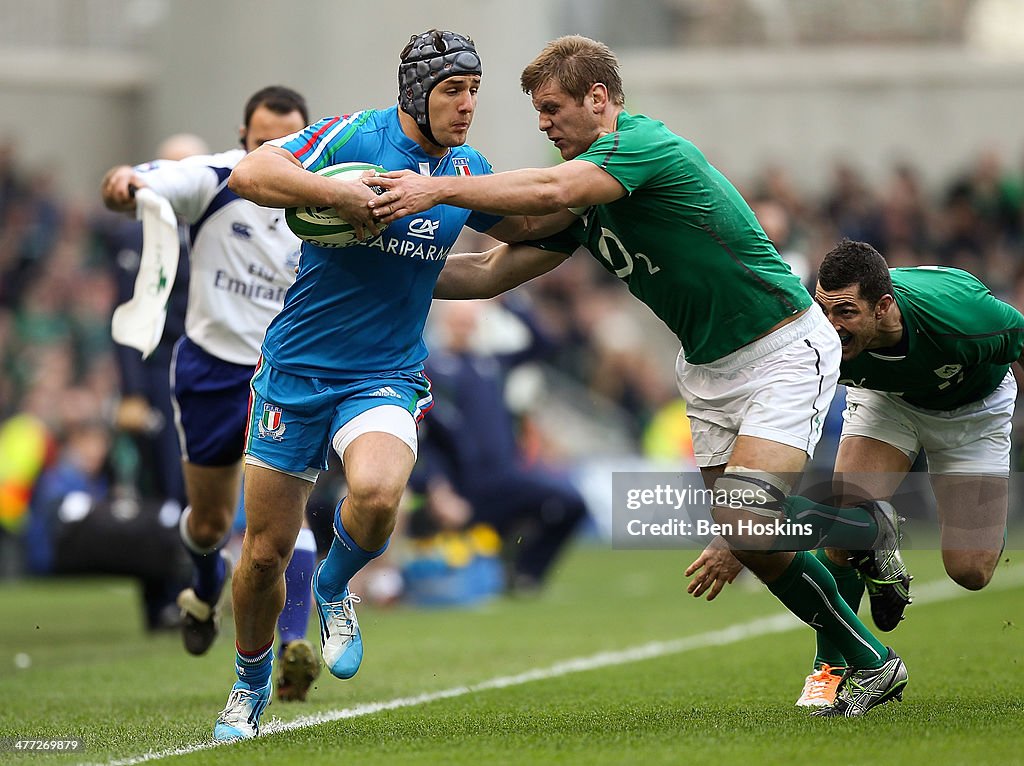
{"type": "Point", "coordinates": [342, 364]}
{"type": "Point", "coordinates": [242, 261]}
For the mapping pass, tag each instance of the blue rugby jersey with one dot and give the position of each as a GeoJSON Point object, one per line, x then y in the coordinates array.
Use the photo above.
{"type": "Point", "coordinates": [361, 309]}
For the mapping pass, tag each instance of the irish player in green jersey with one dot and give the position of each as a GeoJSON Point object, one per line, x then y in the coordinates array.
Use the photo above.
{"type": "Point", "coordinates": [926, 356]}
{"type": "Point", "coordinates": [759, 362]}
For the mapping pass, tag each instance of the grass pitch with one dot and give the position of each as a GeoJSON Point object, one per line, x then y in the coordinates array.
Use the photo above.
{"type": "Point", "coordinates": [613, 664]}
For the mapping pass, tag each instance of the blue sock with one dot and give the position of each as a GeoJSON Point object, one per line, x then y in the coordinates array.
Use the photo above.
{"type": "Point", "coordinates": [253, 668]}
{"type": "Point", "coordinates": [208, 569]}
{"type": "Point", "coordinates": [343, 560]}
{"type": "Point", "coordinates": [294, 619]}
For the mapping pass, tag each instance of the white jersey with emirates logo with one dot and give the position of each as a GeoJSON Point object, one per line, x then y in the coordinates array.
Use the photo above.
{"type": "Point", "coordinates": [243, 256]}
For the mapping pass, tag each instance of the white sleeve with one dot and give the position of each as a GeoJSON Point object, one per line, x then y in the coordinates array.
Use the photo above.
{"type": "Point", "coordinates": [189, 186]}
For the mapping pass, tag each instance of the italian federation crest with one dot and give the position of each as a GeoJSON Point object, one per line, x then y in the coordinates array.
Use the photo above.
{"type": "Point", "coordinates": [461, 166]}
{"type": "Point", "coordinates": [270, 423]}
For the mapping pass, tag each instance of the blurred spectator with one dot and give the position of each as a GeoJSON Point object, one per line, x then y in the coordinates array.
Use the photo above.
{"type": "Point", "coordinates": [667, 439]}
{"type": "Point", "coordinates": [850, 207]}
{"type": "Point", "coordinates": [84, 522]}
{"type": "Point", "coordinates": [992, 196]}
{"type": "Point", "coordinates": [622, 366]}
{"type": "Point", "coordinates": [82, 467]}
{"type": "Point", "coordinates": [58, 381]}
{"type": "Point", "coordinates": [10, 182]}
{"type": "Point", "coordinates": [470, 468]}
{"type": "Point", "coordinates": [961, 241]}
{"type": "Point", "coordinates": [777, 223]}
{"type": "Point", "coordinates": [610, 346]}
{"type": "Point", "coordinates": [904, 213]}
{"type": "Point", "coordinates": [26, 448]}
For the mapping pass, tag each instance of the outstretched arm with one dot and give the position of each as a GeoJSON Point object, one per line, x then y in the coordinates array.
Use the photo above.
{"type": "Point", "coordinates": [531, 191]}
{"type": "Point", "coordinates": [518, 228]}
{"type": "Point", "coordinates": [487, 274]}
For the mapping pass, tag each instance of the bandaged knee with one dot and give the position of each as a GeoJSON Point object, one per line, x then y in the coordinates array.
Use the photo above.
{"type": "Point", "coordinates": [749, 508]}
{"type": "Point", "coordinates": [746, 489]}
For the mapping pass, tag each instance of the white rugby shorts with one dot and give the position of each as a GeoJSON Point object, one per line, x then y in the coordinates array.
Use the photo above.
{"type": "Point", "coordinates": [973, 439]}
{"type": "Point", "coordinates": [777, 388]}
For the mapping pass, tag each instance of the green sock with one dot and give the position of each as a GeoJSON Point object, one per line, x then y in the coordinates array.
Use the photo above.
{"type": "Point", "coordinates": [808, 590]}
{"type": "Point", "coordinates": [852, 529]}
{"type": "Point", "coordinates": [851, 589]}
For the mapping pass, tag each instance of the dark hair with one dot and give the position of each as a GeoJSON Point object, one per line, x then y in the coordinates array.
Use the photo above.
{"type": "Point", "coordinates": [279, 100]}
{"type": "Point", "coordinates": [856, 263]}
{"type": "Point", "coordinates": [576, 63]}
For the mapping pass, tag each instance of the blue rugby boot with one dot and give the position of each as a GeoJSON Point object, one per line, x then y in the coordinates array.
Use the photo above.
{"type": "Point", "coordinates": [240, 719]}
{"type": "Point", "coordinates": [340, 641]}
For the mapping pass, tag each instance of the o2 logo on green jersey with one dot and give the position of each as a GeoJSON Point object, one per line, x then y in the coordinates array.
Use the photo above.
{"type": "Point", "coordinates": [621, 261]}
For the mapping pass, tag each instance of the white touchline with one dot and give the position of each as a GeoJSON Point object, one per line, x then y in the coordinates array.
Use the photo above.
{"type": "Point", "coordinates": [933, 592]}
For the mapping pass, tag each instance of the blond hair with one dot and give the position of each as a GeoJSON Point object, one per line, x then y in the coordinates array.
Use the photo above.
{"type": "Point", "coordinates": [576, 63]}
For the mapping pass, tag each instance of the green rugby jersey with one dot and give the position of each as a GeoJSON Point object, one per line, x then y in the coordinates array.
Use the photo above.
{"type": "Point", "coordinates": [685, 242]}
{"type": "Point", "coordinates": [960, 341]}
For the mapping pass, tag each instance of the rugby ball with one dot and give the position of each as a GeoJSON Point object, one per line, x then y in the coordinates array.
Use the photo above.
{"type": "Point", "coordinates": [322, 226]}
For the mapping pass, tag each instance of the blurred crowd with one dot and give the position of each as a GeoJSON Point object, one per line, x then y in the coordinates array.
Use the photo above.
{"type": "Point", "coordinates": [605, 388]}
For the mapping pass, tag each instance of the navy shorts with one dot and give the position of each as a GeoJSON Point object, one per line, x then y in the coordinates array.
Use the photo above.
{"type": "Point", "coordinates": [211, 402]}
